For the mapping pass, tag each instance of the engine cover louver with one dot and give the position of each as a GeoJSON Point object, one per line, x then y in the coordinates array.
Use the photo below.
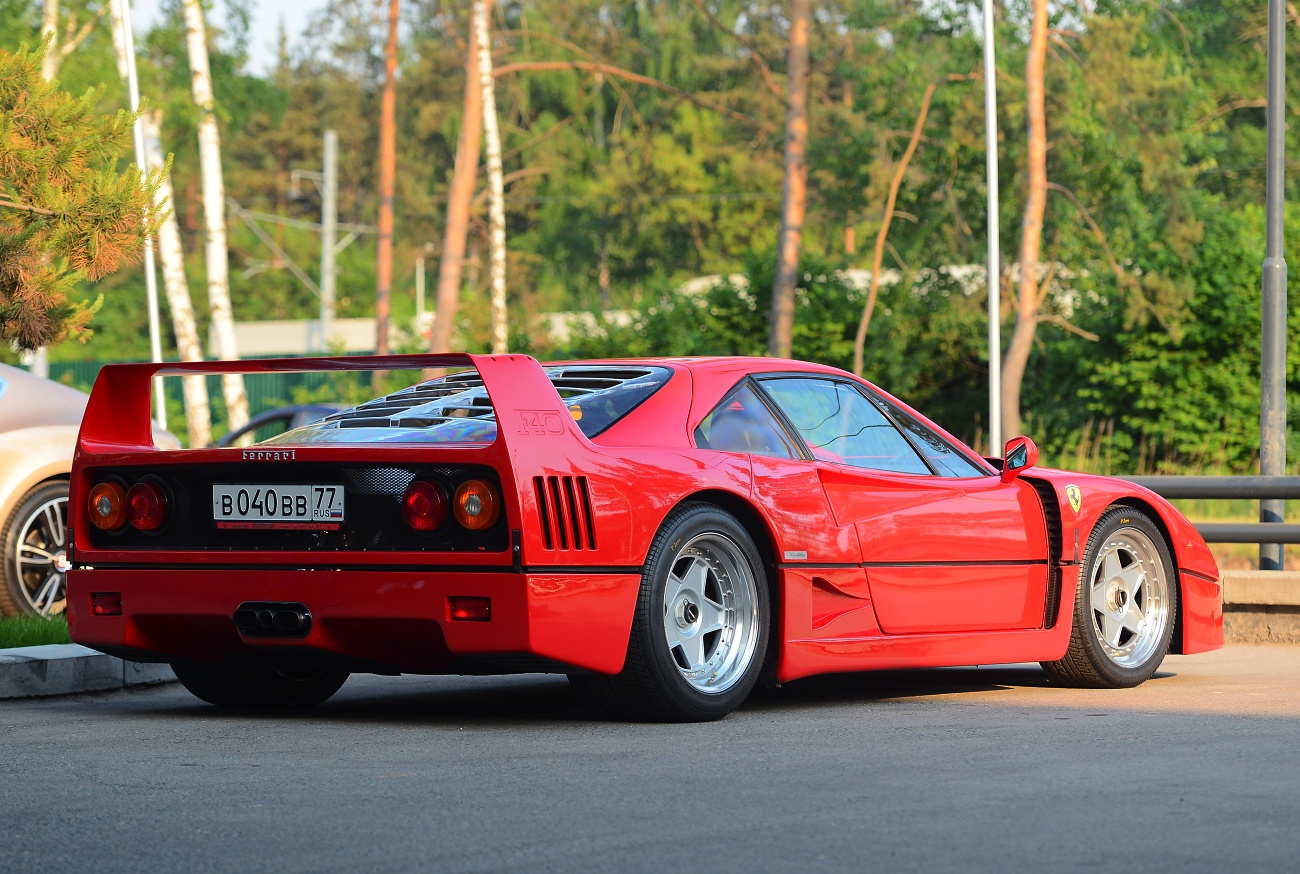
{"type": "Point", "coordinates": [564, 503]}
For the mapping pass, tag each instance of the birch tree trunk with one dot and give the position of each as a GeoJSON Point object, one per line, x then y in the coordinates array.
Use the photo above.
{"type": "Point", "coordinates": [1030, 299]}
{"type": "Point", "coordinates": [198, 419]}
{"type": "Point", "coordinates": [459, 199]}
{"type": "Point", "coordinates": [496, 200]}
{"type": "Point", "coordinates": [387, 172]}
{"type": "Point", "coordinates": [50, 30]}
{"type": "Point", "coordinates": [794, 193]}
{"type": "Point", "coordinates": [214, 212]}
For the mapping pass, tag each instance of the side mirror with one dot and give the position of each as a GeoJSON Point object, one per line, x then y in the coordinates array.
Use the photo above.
{"type": "Point", "coordinates": [1020, 455]}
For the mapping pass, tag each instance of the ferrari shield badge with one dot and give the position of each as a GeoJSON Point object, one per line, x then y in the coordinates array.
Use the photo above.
{"type": "Point", "coordinates": [1075, 497]}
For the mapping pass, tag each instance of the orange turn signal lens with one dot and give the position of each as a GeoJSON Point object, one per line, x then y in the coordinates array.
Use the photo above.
{"type": "Point", "coordinates": [107, 506]}
{"type": "Point", "coordinates": [476, 505]}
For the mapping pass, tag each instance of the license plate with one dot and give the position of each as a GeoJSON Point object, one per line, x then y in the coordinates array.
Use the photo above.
{"type": "Point", "coordinates": [281, 506]}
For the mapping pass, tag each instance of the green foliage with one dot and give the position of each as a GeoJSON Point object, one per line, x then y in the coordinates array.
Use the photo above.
{"type": "Point", "coordinates": [621, 189]}
{"type": "Point", "coordinates": [66, 214]}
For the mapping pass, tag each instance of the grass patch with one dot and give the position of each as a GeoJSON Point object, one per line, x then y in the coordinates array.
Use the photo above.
{"type": "Point", "coordinates": [32, 631]}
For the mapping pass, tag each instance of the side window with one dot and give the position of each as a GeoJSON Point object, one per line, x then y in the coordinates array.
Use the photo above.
{"type": "Point", "coordinates": [943, 457]}
{"type": "Point", "coordinates": [841, 425]}
{"type": "Point", "coordinates": [743, 423]}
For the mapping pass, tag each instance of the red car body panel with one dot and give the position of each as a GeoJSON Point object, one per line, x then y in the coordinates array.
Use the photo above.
{"type": "Point", "coordinates": [870, 570]}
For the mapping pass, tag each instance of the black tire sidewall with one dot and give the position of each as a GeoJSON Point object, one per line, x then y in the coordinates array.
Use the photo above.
{"type": "Point", "coordinates": [254, 683]}
{"type": "Point", "coordinates": [1110, 523]}
{"type": "Point", "coordinates": [689, 523]}
{"type": "Point", "coordinates": [13, 597]}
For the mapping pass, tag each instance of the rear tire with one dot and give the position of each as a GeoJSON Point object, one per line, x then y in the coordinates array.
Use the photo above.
{"type": "Point", "coordinates": [35, 541]}
{"type": "Point", "coordinates": [259, 684]}
{"type": "Point", "coordinates": [700, 631]}
{"type": "Point", "coordinates": [1124, 605]}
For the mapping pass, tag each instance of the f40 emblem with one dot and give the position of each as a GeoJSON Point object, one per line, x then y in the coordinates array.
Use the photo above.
{"type": "Point", "coordinates": [540, 423]}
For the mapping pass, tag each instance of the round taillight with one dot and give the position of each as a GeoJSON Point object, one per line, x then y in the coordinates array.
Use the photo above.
{"type": "Point", "coordinates": [476, 505]}
{"type": "Point", "coordinates": [424, 506]}
{"type": "Point", "coordinates": [146, 506]}
{"type": "Point", "coordinates": [107, 506]}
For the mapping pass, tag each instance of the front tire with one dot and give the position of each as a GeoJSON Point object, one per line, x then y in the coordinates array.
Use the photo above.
{"type": "Point", "coordinates": [35, 541]}
{"type": "Point", "coordinates": [1124, 606]}
{"type": "Point", "coordinates": [700, 631]}
{"type": "Point", "coordinates": [258, 684]}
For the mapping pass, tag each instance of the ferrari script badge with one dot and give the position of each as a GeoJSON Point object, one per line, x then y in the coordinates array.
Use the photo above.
{"type": "Point", "coordinates": [1075, 498]}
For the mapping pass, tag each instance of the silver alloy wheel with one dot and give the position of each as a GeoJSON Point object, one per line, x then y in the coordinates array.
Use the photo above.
{"type": "Point", "coordinates": [711, 613]}
{"type": "Point", "coordinates": [1129, 597]}
{"type": "Point", "coordinates": [41, 557]}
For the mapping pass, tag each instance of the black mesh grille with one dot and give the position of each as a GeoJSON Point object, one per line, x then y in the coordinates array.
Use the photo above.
{"type": "Point", "coordinates": [1052, 516]}
{"type": "Point", "coordinates": [372, 510]}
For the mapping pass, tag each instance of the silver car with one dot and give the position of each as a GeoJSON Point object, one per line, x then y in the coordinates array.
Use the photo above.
{"type": "Point", "coordinates": [39, 420]}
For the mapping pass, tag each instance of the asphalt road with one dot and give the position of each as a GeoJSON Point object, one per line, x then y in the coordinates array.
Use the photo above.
{"type": "Point", "coordinates": [986, 769]}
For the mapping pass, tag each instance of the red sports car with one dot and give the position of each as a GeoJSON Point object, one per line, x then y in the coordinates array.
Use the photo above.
{"type": "Point", "coordinates": [667, 532]}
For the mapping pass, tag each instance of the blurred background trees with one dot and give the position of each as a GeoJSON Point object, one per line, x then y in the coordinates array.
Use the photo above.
{"type": "Point", "coordinates": [643, 147]}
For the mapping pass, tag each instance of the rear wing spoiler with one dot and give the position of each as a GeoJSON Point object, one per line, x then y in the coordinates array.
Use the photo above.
{"type": "Point", "coordinates": [527, 405]}
{"type": "Point", "coordinates": [536, 433]}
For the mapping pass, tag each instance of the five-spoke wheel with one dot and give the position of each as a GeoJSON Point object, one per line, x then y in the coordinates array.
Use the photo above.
{"type": "Point", "coordinates": [699, 635]}
{"type": "Point", "coordinates": [35, 561]}
{"type": "Point", "coordinates": [1125, 605]}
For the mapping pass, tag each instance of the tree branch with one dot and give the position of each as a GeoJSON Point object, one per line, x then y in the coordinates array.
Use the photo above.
{"type": "Point", "coordinates": [1061, 321]}
{"type": "Point", "coordinates": [609, 69]}
{"type": "Point", "coordinates": [860, 340]}
{"type": "Point", "coordinates": [72, 41]}
{"type": "Point", "coordinates": [1123, 277]}
{"type": "Point", "coordinates": [1232, 106]}
{"type": "Point", "coordinates": [763, 69]}
{"type": "Point", "coordinates": [25, 207]}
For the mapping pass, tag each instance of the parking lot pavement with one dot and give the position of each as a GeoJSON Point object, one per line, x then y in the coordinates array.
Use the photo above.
{"type": "Point", "coordinates": [984, 769]}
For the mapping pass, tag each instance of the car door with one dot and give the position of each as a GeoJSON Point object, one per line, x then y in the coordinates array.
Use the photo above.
{"type": "Point", "coordinates": [947, 546]}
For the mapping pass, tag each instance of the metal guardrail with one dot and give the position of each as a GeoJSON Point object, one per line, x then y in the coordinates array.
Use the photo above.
{"type": "Point", "coordinates": [1248, 487]}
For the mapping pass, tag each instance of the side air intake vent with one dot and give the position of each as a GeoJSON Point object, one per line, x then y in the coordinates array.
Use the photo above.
{"type": "Point", "coordinates": [565, 506]}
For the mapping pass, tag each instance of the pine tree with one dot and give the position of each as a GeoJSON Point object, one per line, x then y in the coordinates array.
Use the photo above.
{"type": "Point", "coordinates": [66, 213]}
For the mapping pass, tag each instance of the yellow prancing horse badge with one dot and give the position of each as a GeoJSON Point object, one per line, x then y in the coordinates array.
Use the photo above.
{"type": "Point", "coordinates": [1075, 498]}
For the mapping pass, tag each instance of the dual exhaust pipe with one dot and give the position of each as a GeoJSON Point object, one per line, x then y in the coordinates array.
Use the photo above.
{"type": "Point", "coordinates": [272, 619]}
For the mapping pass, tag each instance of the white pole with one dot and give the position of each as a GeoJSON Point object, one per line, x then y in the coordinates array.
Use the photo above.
{"type": "Point", "coordinates": [419, 294]}
{"type": "Point", "coordinates": [150, 281]}
{"type": "Point", "coordinates": [995, 261]}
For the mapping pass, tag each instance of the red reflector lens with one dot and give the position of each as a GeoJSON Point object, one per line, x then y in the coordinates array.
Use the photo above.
{"type": "Point", "coordinates": [471, 609]}
{"type": "Point", "coordinates": [146, 506]}
{"type": "Point", "coordinates": [106, 603]}
{"type": "Point", "coordinates": [424, 506]}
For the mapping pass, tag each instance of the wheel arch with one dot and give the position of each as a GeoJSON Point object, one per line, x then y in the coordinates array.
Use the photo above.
{"type": "Point", "coordinates": [755, 526]}
{"type": "Point", "coordinates": [1136, 503]}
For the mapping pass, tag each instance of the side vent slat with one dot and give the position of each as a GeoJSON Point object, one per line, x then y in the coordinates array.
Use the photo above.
{"type": "Point", "coordinates": [558, 506]}
{"type": "Point", "coordinates": [564, 508]}
{"type": "Point", "coordinates": [540, 487]}
{"type": "Point", "coordinates": [586, 511]}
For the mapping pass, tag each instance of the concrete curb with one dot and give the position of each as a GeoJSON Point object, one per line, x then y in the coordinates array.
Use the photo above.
{"type": "Point", "coordinates": [69, 668]}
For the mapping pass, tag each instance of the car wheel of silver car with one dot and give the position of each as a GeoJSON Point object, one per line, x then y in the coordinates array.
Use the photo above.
{"type": "Point", "coordinates": [259, 683]}
{"type": "Point", "coordinates": [35, 562]}
{"type": "Point", "coordinates": [700, 631]}
{"type": "Point", "coordinates": [1125, 605]}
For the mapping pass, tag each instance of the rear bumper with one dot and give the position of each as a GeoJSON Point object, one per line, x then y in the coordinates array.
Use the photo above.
{"type": "Point", "coordinates": [382, 621]}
